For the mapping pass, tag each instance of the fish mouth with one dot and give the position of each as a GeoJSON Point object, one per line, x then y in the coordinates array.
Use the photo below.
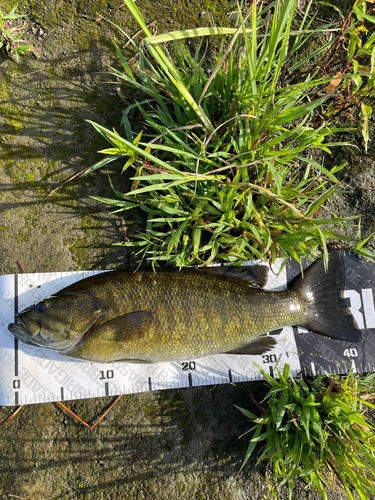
{"type": "Point", "coordinates": [21, 332]}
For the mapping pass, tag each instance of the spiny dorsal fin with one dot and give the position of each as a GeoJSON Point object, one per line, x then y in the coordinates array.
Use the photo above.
{"type": "Point", "coordinates": [251, 276]}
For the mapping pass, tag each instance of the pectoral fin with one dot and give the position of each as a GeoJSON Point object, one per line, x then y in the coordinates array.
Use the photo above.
{"type": "Point", "coordinates": [259, 345]}
{"type": "Point", "coordinates": [131, 326]}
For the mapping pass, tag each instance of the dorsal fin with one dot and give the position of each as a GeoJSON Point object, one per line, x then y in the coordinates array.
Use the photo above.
{"type": "Point", "coordinates": [254, 276]}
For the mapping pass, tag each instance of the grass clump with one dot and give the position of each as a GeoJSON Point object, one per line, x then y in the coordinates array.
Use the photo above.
{"type": "Point", "coordinates": [317, 430]}
{"type": "Point", "coordinates": [225, 168]}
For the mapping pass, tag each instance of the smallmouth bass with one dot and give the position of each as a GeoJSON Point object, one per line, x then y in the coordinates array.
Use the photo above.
{"type": "Point", "coordinates": [171, 315]}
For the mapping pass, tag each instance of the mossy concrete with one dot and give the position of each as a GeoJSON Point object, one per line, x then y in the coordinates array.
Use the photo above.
{"type": "Point", "coordinates": [45, 139]}
{"type": "Point", "coordinates": [159, 445]}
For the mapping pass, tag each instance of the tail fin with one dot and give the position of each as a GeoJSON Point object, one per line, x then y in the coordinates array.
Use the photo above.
{"type": "Point", "coordinates": [323, 292]}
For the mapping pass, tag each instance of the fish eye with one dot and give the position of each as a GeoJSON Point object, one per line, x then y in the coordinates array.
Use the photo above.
{"type": "Point", "coordinates": [41, 307]}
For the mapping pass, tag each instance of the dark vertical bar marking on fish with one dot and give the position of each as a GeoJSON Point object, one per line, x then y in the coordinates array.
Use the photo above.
{"type": "Point", "coordinates": [190, 378]}
{"type": "Point", "coordinates": [230, 376]}
{"type": "Point", "coordinates": [106, 389]}
{"type": "Point", "coordinates": [149, 384]}
{"type": "Point", "coordinates": [16, 312]}
{"type": "Point", "coordinates": [62, 394]}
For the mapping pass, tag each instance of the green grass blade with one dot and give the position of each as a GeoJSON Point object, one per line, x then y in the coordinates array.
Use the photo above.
{"type": "Point", "coordinates": [191, 33]}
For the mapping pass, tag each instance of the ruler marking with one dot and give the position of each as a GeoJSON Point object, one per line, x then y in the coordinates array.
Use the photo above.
{"type": "Point", "coordinates": [271, 370]}
{"type": "Point", "coordinates": [62, 393]}
{"type": "Point", "coordinates": [149, 384]}
{"type": "Point", "coordinates": [230, 376]}
{"type": "Point", "coordinates": [16, 312]}
{"type": "Point", "coordinates": [106, 388]}
{"type": "Point", "coordinates": [190, 378]}
{"type": "Point", "coordinates": [16, 398]}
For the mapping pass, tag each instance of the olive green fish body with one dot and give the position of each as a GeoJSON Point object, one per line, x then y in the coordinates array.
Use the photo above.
{"type": "Point", "coordinates": [182, 315]}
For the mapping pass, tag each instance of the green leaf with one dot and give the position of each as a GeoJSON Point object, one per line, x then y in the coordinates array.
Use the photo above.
{"type": "Point", "coordinates": [281, 408]}
{"type": "Point", "coordinates": [123, 61]}
{"type": "Point", "coordinates": [100, 164]}
{"type": "Point", "coordinates": [362, 15]}
{"type": "Point", "coordinates": [276, 177]}
{"type": "Point", "coordinates": [247, 413]}
{"type": "Point", "coordinates": [366, 113]}
{"type": "Point", "coordinates": [319, 201]}
{"type": "Point", "coordinates": [251, 446]}
{"type": "Point", "coordinates": [197, 231]}
{"type": "Point", "coordinates": [191, 33]}
{"type": "Point", "coordinates": [11, 15]}
{"type": "Point", "coordinates": [125, 205]}
{"type": "Point", "coordinates": [137, 139]}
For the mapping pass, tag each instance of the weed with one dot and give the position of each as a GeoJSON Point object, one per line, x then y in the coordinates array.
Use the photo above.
{"type": "Point", "coordinates": [228, 171]}
{"type": "Point", "coordinates": [10, 38]}
{"type": "Point", "coordinates": [317, 430]}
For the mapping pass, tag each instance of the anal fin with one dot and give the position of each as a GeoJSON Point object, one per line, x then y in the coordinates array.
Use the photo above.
{"type": "Point", "coordinates": [259, 345]}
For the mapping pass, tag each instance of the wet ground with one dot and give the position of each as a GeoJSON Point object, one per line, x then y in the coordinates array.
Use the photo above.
{"type": "Point", "coordinates": [170, 444]}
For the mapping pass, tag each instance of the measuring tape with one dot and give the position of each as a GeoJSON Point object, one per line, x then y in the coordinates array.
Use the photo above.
{"type": "Point", "coordinates": [30, 374]}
